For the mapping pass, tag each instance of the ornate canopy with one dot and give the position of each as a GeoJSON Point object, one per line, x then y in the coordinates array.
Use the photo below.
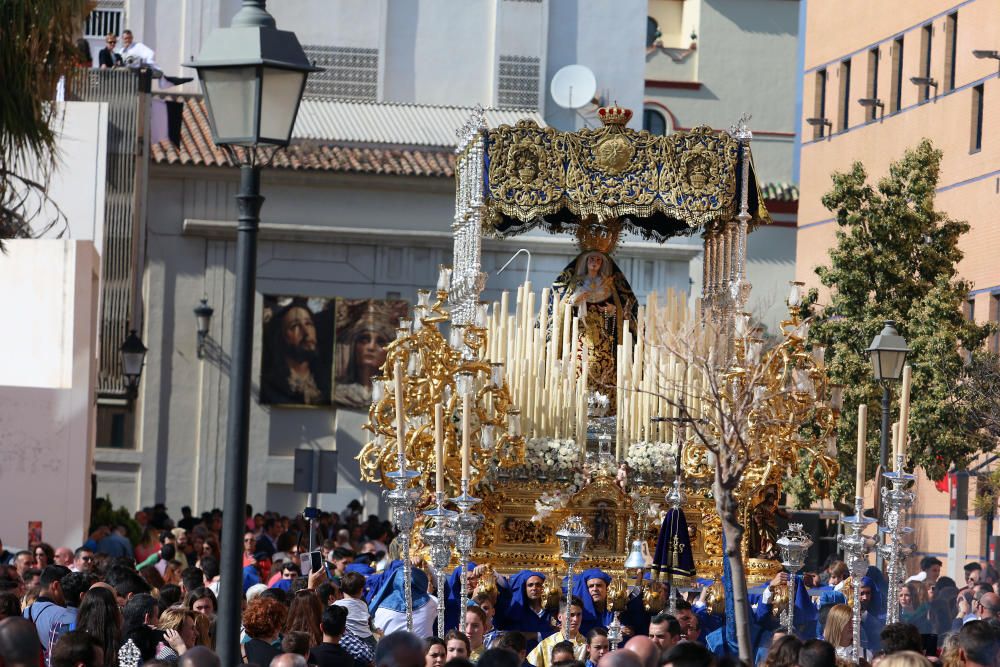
{"type": "Point", "coordinates": [657, 186]}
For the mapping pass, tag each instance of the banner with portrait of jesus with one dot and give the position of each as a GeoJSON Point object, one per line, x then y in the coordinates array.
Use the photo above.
{"type": "Point", "coordinates": [364, 328]}
{"type": "Point", "coordinates": [297, 351]}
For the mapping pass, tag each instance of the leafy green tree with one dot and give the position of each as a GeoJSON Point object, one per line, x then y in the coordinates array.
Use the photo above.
{"type": "Point", "coordinates": [37, 47]}
{"type": "Point", "coordinates": [896, 259]}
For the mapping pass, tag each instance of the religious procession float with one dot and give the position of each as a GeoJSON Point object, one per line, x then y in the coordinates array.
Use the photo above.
{"type": "Point", "coordinates": [575, 427]}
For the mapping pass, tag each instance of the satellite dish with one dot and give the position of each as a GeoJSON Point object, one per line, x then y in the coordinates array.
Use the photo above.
{"type": "Point", "coordinates": [573, 86]}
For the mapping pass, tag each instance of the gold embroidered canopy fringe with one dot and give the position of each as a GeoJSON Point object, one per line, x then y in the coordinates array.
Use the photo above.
{"type": "Point", "coordinates": [657, 186]}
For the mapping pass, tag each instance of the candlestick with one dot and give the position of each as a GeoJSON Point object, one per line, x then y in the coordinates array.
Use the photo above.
{"type": "Point", "coordinates": [400, 424]}
{"type": "Point", "coordinates": [466, 407]}
{"type": "Point", "coordinates": [439, 445]}
{"type": "Point", "coordinates": [859, 483]}
{"type": "Point", "coordinates": [895, 445]}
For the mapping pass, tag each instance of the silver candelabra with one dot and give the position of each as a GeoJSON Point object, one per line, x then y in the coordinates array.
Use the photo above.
{"type": "Point", "coordinates": [897, 501]}
{"type": "Point", "coordinates": [794, 545]}
{"type": "Point", "coordinates": [856, 548]}
{"type": "Point", "coordinates": [467, 524]}
{"type": "Point", "coordinates": [573, 539]}
{"type": "Point", "coordinates": [403, 499]}
{"type": "Point", "coordinates": [440, 536]}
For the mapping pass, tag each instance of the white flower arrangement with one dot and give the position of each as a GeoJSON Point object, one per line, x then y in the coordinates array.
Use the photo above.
{"type": "Point", "coordinates": [650, 458]}
{"type": "Point", "coordinates": [548, 503]}
{"type": "Point", "coordinates": [552, 453]}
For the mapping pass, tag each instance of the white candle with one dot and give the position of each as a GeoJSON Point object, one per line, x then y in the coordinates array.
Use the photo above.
{"type": "Point", "coordinates": [400, 423]}
{"type": "Point", "coordinates": [439, 445]}
{"type": "Point", "coordinates": [904, 411]}
{"type": "Point", "coordinates": [466, 407]}
{"type": "Point", "coordinates": [859, 482]}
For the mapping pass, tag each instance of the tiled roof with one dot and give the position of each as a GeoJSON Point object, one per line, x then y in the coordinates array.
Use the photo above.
{"type": "Point", "coordinates": [391, 123]}
{"type": "Point", "coordinates": [196, 148]}
{"type": "Point", "coordinates": [780, 192]}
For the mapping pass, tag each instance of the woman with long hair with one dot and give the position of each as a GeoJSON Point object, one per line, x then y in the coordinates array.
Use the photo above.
{"type": "Point", "coordinates": [180, 631]}
{"type": "Point", "coordinates": [202, 601]}
{"type": "Point", "coordinates": [210, 547]}
{"type": "Point", "coordinates": [45, 555]}
{"type": "Point", "coordinates": [149, 544]}
{"type": "Point", "coordinates": [784, 652]}
{"type": "Point", "coordinates": [100, 617]}
{"type": "Point", "coordinates": [913, 606]}
{"type": "Point", "coordinates": [838, 629]}
{"type": "Point", "coordinates": [304, 615]}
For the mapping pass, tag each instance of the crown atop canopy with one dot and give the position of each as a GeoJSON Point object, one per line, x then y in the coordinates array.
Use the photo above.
{"type": "Point", "coordinates": [614, 115]}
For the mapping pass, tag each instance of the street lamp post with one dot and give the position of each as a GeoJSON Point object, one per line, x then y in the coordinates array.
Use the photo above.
{"type": "Point", "coordinates": [888, 356]}
{"type": "Point", "coordinates": [252, 76]}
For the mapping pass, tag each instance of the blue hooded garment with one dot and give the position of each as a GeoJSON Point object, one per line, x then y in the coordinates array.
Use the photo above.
{"type": "Point", "coordinates": [392, 596]}
{"type": "Point", "coordinates": [360, 568]}
{"type": "Point", "coordinates": [454, 594]}
{"type": "Point", "coordinates": [634, 615]}
{"type": "Point", "coordinates": [513, 611]}
{"type": "Point", "coordinates": [374, 582]}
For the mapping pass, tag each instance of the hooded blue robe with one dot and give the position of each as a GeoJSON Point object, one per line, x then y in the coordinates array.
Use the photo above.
{"type": "Point", "coordinates": [514, 612]}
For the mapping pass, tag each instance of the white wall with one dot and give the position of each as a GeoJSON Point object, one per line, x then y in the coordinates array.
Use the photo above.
{"type": "Point", "coordinates": [47, 379]}
{"type": "Point", "coordinates": [77, 180]}
{"type": "Point", "coordinates": [607, 37]}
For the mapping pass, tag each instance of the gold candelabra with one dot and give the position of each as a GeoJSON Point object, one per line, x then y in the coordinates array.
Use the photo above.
{"type": "Point", "coordinates": [796, 408]}
{"type": "Point", "coordinates": [440, 370]}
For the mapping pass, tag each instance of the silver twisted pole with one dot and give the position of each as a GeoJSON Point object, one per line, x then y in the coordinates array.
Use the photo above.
{"type": "Point", "coordinates": [897, 501]}
{"type": "Point", "coordinates": [468, 523]}
{"type": "Point", "coordinates": [856, 547]}
{"type": "Point", "coordinates": [440, 537]}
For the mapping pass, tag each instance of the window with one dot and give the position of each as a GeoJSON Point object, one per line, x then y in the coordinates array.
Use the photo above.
{"type": "Point", "coordinates": [654, 122]}
{"type": "Point", "coordinates": [872, 92]}
{"type": "Point", "coordinates": [518, 82]}
{"type": "Point", "coordinates": [969, 310]}
{"type": "Point", "coordinates": [896, 90]}
{"type": "Point", "coordinates": [950, 42]}
{"type": "Point", "coordinates": [843, 120]}
{"type": "Point", "coordinates": [349, 73]}
{"type": "Point", "coordinates": [819, 104]}
{"type": "Point", "coordinates": [926, 37]}
{"type": "Point", "coordinates": [652, 31]}
{"type": "Point", "coordinates": [103, 22]}
{"type": "Point", "coordinates": [976, 135]}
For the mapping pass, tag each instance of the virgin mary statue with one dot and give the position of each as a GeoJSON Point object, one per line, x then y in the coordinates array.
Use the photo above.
{"type": "Point", "coordinates": [597, 286]}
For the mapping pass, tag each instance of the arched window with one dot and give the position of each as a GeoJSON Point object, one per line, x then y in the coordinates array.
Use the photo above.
{"type": "Point", "coordinates": [652, 31]}
{"type": "Point", "coordinates": [654, 122]}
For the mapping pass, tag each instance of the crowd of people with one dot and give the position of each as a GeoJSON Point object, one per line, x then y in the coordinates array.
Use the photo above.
{"type": "Point", "coordinates": [152, 600]}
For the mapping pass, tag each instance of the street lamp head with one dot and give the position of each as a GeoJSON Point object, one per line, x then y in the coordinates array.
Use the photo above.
{"type": "Point", "coordinates": [984, 54]}
{"type": "Point", "coordinates": [888, 353]}
{"type": "Point", "coordinates": [253, 76]}
{"type": "Point", "coordinates": [203, 315]}
{"type": "Point", "coordinates": [133, 356]}
{"type": "Point", "coordinates": [924, 81]}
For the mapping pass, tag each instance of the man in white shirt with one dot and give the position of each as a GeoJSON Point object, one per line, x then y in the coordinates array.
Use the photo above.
{"type": "Point", "coordinates": [930, 570]}
{"type": "Point", "coordinates": [135, 53]}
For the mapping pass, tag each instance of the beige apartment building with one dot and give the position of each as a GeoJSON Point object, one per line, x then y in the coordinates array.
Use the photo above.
{"type": "Point", "coordinates": [876, 78]}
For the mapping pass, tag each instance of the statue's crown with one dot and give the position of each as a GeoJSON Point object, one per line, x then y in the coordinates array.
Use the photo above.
{"type": "Point", "coordinates": [614, 115]}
